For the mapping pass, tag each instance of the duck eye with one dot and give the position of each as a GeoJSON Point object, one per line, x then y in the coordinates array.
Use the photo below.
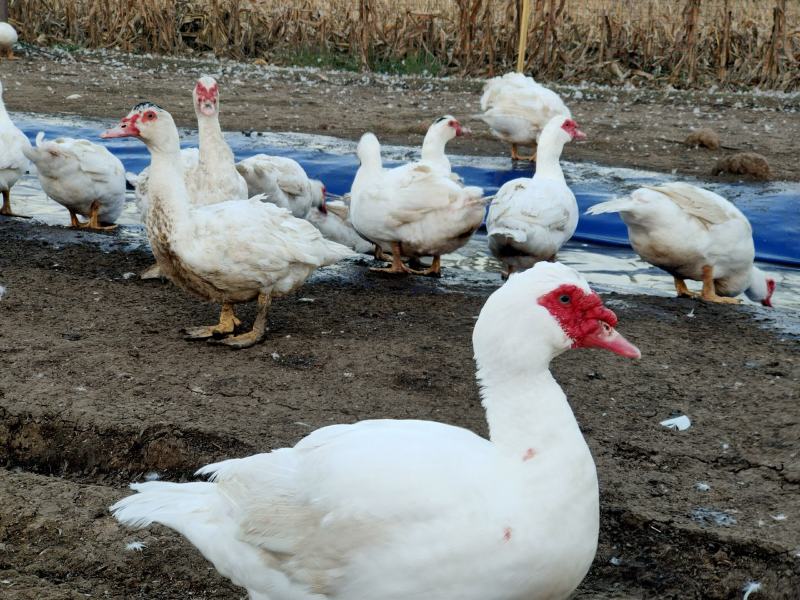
{"type": "Point", "coordinates": [564, 299]}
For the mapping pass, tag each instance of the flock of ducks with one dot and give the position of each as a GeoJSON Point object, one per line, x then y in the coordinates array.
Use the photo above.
{"type": "Point", "coordinates": [387, 509]}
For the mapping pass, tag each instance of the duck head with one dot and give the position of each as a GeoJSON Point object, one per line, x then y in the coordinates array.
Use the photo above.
{"type": "Point", "coordinates": [446, 127]}
{"type": "Point", "coordinates": [151, 124]}
{"type": "Point", "coordinates": [540, 313]}
{"type": "Point", "coordinates": [206, 97]}
{"type": "Point", "coordinates": [762, 286]}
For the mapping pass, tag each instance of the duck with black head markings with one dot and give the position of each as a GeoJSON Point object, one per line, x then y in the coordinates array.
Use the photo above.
{"type": "Point", "coordinates": [229, 252]}
{"type": "Point", "coordinates": [399, 509]}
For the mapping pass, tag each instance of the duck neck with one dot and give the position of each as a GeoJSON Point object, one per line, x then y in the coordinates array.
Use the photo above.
{"type": "Point", "coordinates": [3, 114]}
{"type": "Point", "coordinates": [548, 155]}
{"type": "Point", "coordinates": [169, 205]}
{"type": "Point", "coordinates": [433, 149]}
{"type": "Point", "coordinates": [214, 151]}
{"type": "Point", "coordinates": [529, 416]}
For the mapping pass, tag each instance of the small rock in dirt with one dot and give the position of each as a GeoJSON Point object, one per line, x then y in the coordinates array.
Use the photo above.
{"type": "Point", "coordinates": [704, 137]}
{"type": "Point", "coordinates": [72, 337]}
{"type": "Point", "coordinates": [681, 423]}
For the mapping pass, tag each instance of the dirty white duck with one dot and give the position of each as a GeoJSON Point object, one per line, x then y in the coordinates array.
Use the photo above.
{"type": "Point", "coordinates": [13, 162]}
{"type": "Point", "coordinates": [283, 181]}
{"type": "Point", "coordinates": [696, 234]}
{"type": "Point", "coordinates": [441, 131]}
{"type": "Point", "coordinates": [532, 217]}
{"type": "Point", "coordinates": [332, 218]}
{"type": "Point", "coordinates": [8, 37]}
{"type": "Point", "coordinates": [209, 171]}
{"type": "Point", "coordinates": [82, 176]}
{"type": "Point", "coordinates": [400, 509]}
{"type": "Point", "coordinates": [413, 209]}
{"type": "Point", "coordinates": [516, 109]}
{"type": "Point", "coordinates": [230, 252]}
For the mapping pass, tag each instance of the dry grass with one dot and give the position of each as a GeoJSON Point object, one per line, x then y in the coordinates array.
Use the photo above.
{"type": "Point", "coordinates": [683, 42]}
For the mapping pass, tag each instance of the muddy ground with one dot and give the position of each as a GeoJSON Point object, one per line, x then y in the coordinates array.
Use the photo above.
{"type": "Point", "coordinates": [626, 126]}
{"type": "Point", "coordinates": [98, 388]}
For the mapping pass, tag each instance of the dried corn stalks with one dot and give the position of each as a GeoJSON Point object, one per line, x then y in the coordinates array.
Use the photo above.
{"type": "Point", "coordinates": [684, 42]}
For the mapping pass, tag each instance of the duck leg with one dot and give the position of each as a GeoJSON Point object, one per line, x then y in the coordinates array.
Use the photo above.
{"type": "Point", "coordinates": [397, 262]}
{"type": "Point", "coordinates": [515, 153]}
{"type": "Point", "coordinates": [682, 290]}
{"type": "Point", "coordinates": [94, 222]}
{"type": "Point", "coordinates": [379, 254]}
{"type": "Point", "coordinates": [259, 330]}
{"type": "Point", "coordinates": [10, 54]}
{"type": "Point", "coordinates": [709, 292]}
{"type": "Point", "coordinates": [152, 272]}
{"type": "Point", "coordinates": [6, 208]}
{"type": "Point", "coordinates": [227, 323]}
{"type": "Point", "coordinates": [435, 270]}
{"type": "Point", "coordinates": [507, 273]}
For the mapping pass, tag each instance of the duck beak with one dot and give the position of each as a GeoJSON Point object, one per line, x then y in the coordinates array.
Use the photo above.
{"type": "Point", "coordinates": [608, 338]}
{"type": "Point", "coordinates": [578, 135]}
{"type": "Point", "coordinates": [120, 131]}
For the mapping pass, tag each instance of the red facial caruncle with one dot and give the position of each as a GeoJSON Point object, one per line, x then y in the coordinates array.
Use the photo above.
{"type": "Point", "coordinates": [457, 126]}
{"type": "Point", "coordinates": [206, 98]}
{"type": "Point", "coordinates": [571, 127]}
{"type": "Point", "coordinates": [323, 208]}
{"type": "Point", "coordinates": [586, 321]}
{"type": "Point", "coordinates": [770, 290]}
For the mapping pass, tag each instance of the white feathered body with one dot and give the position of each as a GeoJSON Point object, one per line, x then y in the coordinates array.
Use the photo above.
{"type": "Point", "coordinates": [428, 213]}
{"type": "Point", "coordinates": [8, 36]}
{"type": "Point", "coordinates": [13, 162]}
{"type": "Point", "coordinates": [365, 512]}
{"type": "Point", "coordinates": [335, 225]}
{"type": "Point", "coordinates": [283, 181]}
{"type": "Point", "coordinates": [234, 250]}
{"type": "Point", "coordinates": [680, 228]}
{"type": "Point", "coordinates": [75, 173]}
{"type": "Point", "coordinates": [530, 219]}
{"type": "Point", "coordinates": [516, 108]}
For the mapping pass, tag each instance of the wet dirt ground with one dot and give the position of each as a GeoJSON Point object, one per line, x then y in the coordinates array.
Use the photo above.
{"type": "Point", "coordinates": [98, 389]}
{"type": "Point", "coordinates": [626, 126]}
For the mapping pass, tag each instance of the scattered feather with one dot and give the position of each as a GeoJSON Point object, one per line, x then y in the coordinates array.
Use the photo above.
{"type": "Point", "coordinates": [779, 517]}
{"type": "Point", "coordinates": [152, 476]}
{"type": "Point", "coordinates": [135, 546]}
{"type": "Point", "coordinates": [702, 486]}
{"type": "Point", "coordinates": [750, 587]}
{"type": "Point", "coordinates": [690, 314]}
{"type": "Point", "coordinates": [2, 292]}
{"type": "Point", "coordinates": [681, 423]}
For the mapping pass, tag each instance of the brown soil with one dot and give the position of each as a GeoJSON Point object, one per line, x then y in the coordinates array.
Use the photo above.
{"type": "Point", "coordinates": [642, 128]}
{"type": "Point", "coordinates": [98, 388]}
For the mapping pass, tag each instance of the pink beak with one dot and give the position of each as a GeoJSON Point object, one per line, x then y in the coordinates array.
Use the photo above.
{"type": "Point", "coordinates": [610, 339]}
{"type": "Point", "coordinates": [121, 130]}
{"type": "Point", "coordinates": [578, 135]}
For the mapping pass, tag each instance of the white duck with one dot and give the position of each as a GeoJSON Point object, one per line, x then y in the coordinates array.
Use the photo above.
{"type": "Point", "coordinates": [230, 252]}
{"type": "Point", "coordinates": [284, 182]}
{"type": "Point", "coordinates": [516, 109]}
{"type": "Point", "coordinates": [13, 162]}
{"type": "Point", "coordinates": [82, 176]}
{"type": "Point", "coordinates": [693, 233]}
{"type": "Point", "coordinates": [530, 219]}
{"type": "Point", "coordinates": [209, 172]}
{"type": "Point", "coordinates": [400, 509]}
{"type": "Point", "coordinates": [441, 131]}
{"type": "Point", "coordinates": [332, 218]}
{"type": "Point", "coordinates": [413, 209]}
{"type": "Point", "coordinates": [8, 37]}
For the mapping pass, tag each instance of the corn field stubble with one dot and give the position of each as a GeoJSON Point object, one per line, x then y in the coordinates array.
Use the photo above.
{"type": "Point", "coordinates": [686, 43]}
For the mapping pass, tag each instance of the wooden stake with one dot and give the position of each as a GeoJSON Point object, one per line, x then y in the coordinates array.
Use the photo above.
{"type": "Point", "coordinates": [523, 34]}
